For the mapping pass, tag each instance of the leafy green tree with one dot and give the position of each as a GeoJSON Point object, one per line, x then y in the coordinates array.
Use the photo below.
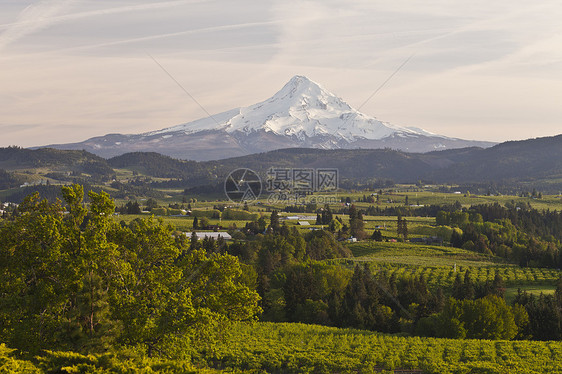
{"type": "Point", "coordinates": [449, 323]}
{"type": "Point", "coordinates": [152, 203]}
{"type": "Point", "coordinates": [321, 245]}
{"type": "Point", "coordinates": [74, 279]}
{"type": "Point", "coordinates": [467, 286]}
{"type": "Point", "coordinates": [36, 276]}
{"type": "Point", "coordinates": [203, 222]}
{"type": "Point", "coordinates": [442, 218]}
{"type": "Point", "coordinates": [486, 318]}
{"type": "Point", "coordinates": [55, 265]}
{"type": "Point", "coordinates": [458, 292]}
{"type": "Point", "coordinates": [132, 208]}
{"type": "Point", "coordinates": [327, 215]}
{"type": "Point", "coordinates": [335, 225]}
{"type": "Point", "coordinates": [356, 224]}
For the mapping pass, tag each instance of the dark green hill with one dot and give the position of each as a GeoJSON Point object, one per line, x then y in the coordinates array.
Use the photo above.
{"type": "Point", "coordinates": [156, 165]}
{"type": "Point", "coordinates": [352, 163]}
{"type": "Point", "coordinates": [534, 161]}
{"type": "Point", "coordinates": [355, 164]}
{"type": "Point", "coordinates": [55, 161]}
{"type": "Point", "coordinates": [516, 161]}
{"type": "Point", "coordinates": [510, 162]}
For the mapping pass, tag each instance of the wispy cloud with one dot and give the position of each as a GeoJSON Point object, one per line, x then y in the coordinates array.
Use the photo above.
{"type": "Point", "coordinates": [31, 19]}
{"type": "Point", "coordinates": [46, 13]}
{"type": "Point", "coordinates": [178, 33]}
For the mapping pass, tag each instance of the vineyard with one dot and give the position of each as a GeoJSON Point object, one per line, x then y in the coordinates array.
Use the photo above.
{"type": "Point", "coordinates": [417, 254]}
{"type": "Point", "coordinates": [440, 265]}
{"type": "Point", "coordinates": [445, 276]}
{"type": "Point", "coordinates": [297, 348]}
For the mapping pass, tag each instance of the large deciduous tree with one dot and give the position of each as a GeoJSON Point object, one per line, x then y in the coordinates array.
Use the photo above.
{"type": "Point", "coordinates": [71, 278]}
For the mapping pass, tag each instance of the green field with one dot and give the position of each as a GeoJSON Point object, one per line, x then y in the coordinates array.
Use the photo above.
{"type": "Point", "coordinates": [418, 255]}
{"type": "Point", "coordinates": [440, 266]}
{"type": "Point", "coordinates": [297, 348]}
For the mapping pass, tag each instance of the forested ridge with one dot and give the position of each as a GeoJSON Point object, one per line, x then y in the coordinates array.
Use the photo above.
{"type": "Point", "coordinates": [506, 167]}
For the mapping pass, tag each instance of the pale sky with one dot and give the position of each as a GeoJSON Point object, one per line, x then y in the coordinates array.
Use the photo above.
{"type": "Point", "coordinates": [74, 69]}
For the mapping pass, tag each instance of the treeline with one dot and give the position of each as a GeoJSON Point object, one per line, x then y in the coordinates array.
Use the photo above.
{"type": "Point", "coordinates": [526, 236]}
{"type": "Point", "coordinates": [330, 295]}
{"type": "Point", "coordinates": [295, 287]}
{"type": "Point", "coordinates": [545, 314]}
{"type": "Point", "coordinates": [545, 224]}
{"type": "Point", "coordinates": [411, 211]}
{"type": "Point", "coordinates": [45, 191]}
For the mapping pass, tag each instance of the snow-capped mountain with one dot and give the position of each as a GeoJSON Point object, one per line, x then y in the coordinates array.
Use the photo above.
{"type": "Point", "coordinates": [301, 114]}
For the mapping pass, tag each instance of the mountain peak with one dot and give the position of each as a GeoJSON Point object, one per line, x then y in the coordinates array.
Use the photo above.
{"type": "Point", "coordinates": [301, 81]}
{"type": "Point", "coordinates": [301, 114]}
{"type": "Point", "coordinates": [301, 109]}
{"type": "Point", "coordinates": [299, 86]}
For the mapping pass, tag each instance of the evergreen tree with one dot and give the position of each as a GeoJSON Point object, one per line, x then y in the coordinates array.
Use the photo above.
{"type": "Point", "coordinates": [402, 227]}
{"type": "Point", "coordinates": [274, 221]}
{"type": "Point", "coordinates": [467, 287]}
{"type": "Point", "coordinates": [356, 224]}
{"type": "Point", "coordinates": [456, 239]}
{"type": "Point", "coordinates": [458, 292]}
{"type": "Point", "coordinates": [498, 286]}
{"type": "Point", "coordinates": [377, 235]}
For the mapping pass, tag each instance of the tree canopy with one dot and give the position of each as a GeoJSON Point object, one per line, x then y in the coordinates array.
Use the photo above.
{"type": "Point", "coordinates": [74, 279]}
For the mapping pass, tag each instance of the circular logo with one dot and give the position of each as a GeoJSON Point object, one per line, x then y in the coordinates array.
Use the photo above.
{"type": "Point", "coordinates": [242, 185]}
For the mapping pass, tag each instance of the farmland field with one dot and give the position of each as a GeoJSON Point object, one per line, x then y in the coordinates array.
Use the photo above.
{"type": "Point", "coordinates": [297, 348]}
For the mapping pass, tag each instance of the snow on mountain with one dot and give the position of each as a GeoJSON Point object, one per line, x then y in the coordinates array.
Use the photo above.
{"type": "Point", "coordinates": [301, 115]}
{"type": "Point", "coordinates": [302, 108]}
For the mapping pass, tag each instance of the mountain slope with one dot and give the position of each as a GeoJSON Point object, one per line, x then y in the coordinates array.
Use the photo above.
{"type": "Point", "coordinates": [301, 109]}
{"type": "Point", "coordinates": [301, 115]}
